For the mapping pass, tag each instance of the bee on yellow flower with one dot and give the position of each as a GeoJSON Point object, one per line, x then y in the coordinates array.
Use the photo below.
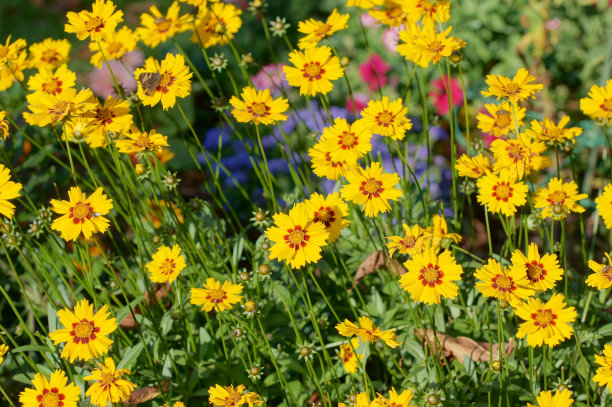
{"type": "Point", "coordinates": [547, 323]}
{"type": "Point", "coordinates": [156, 28]}
{"type": "Point", "coordinates": [317, 30]}
{"type": "Point", "coordinates": [431, 277]}
{"type": "Point", "coordinates": [47, 108]}
{"type": "Point", "coordinates": [558, 199]}
{"type": "Point", "coordinates": [13, 60]}
{"type": "Point", "coordinates": [215, 295]}
{"type": "Point", "coordinates": [115, 45]}
{"type": "Point", "coordinates": [601, 278]}
{"type": "Point", "coordinates": [166, 264]}
{"type": "Point", "coordinates": [387, 118]}
{"type": "Point", "coordinates": [509, 284]}
{"type": "Point", "coordinates": [95, 24]}
{"type": "Point", "coordinates": [8, 190]}
{"type": "Point", "coordinates": [367, 331]}
{"type": "Point", "coordinates": [84, 332]}
{"type": "Point", "coordinates": [297, 237]}
{"type": "Point", "coordinates": [515, 89]}
{"type": "Point", "coordinates": [501, 193]}
{"type": "Point", "coordinates": [217, 24]}
{"type": "Point", "coordinates": [473, 167]}
{"type": "Point", "coordinates": [313, 70]}
{"type": "Point", "coordinates": [424, 45]}
{"type": "Point", "coordinates": [258, 107]}
{"type": "Point", "coordinates": [598, 105]}
{"type": "Point", "coordinates": [349, 356]}
{"type": "Point", "coordinates": [49, 54]}
{"type": "Point", "coordinates": [52, 82]}
{"type": "Point", "coordinates": [81, 214]}
{"type": "Point", "coordinates": [500, 120]}
{"type": "Point", "coordinates": [413, 242]}
{"type": "Point", "coordinates": [371, 188]}
{"type": "Point", "coordinates": [520, 156]}
{"type": "Point", "coordinates": [228, 396]}
{"type": "Point", "coordinates": [51, 391]}
{"type": "Point", "coordinates": [548, 131]}
{"type": "Point", "coordinates": [542, 271]}
{"type": "Point", "coordinates": [163, 82]}
{"type": "Point", "coordinates": [109, 384]}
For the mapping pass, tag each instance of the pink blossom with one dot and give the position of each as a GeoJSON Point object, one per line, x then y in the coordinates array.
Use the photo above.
{"type": "Point", "coordinates": [368, 21]}
{"type": "Point", "coordinates": [361, 101]}
{"type": "Point", "coordinates": [390, 39]}
{"type": "Point", "coordinates": [374, 72]}
{"type": "Point", "coordinates": [554, 24]}
{"type": "Point", "coordinates": [101, 80]}
{"type": "Point", "coordinates": [440, 98]}
{"type": "Point", "coordinates": [271, 77]}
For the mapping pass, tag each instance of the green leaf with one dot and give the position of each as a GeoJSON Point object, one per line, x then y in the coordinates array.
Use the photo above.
{"type": "Point", "coordinates": [123, 312]}
{"type": "Point", "coordinates": [605, 330]}
{"type": "Point", "coordinates": [130, 356]}
{"type": "Point", "coordinates": [237, 252]}
{"type": "Point", "coordinates": [30, 348]}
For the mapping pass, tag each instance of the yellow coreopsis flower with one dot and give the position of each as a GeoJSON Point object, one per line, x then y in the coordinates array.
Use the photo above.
{"type": "Point", "coordinates": [95, 24]}
{"type": "Point", "coordinates": [387, 118]}
{"type": "Point", "coordinates": [603, 376]}
{"type": "Point", "coordinates": [515, 89]}
{"type": "Point", "coordinates": [156, 28]}
{"type": "Point", "coordinates": [499, 120]}
{"type": "Point", "coordinates": [51, 392]}
{"type": "Point", "coordinates": [349, 356]}
{"type": "Point", "coordinates": [558, 199]}
{"type": "Point", "coordinates": [49, 54]}
{"type": "Point", "coordinates": [509, 284]}
{"type": "Point", "coordinates": [371, 188]}
{"type": "Point", "coordinates": [113, 116]}
{"type": "Point", "coordinates": [109, 384]}
{"type": "Point", "coordinates": [297, 237]}
{"type": "Point", "coordinates": [430, 277]}
{"type": "Point", "coordinates": [365, 4]}
{"type": "Point", "coordinates": [4, 125]}
{"type": "Point", "coordinates": [3, 349]}
{"type": "Point", "coordinates": [330, 211]}
{"type": "Point", "coordinates": [84, 332]}
{"type": "Point", "coordinates": [323, 165]}
{"type": "Point", "coordinates": [424, 45]}
{"type": "Point", "coordinates": [318, 30]}
{"type": "Point", "coordinates": [547, 130]}
{"type": "Point", "coordinates": [604, 205]}
{"type": "Point", "coordinates": [542, 271]}
{"type": "Point", "coordinates": [228, 396]}
{"type": "Point", "coordinates": [115, 45]}
{"type": "Point", "coordinates": [473, 167]}
{"type": "Point", "coordinates": [367, 331]}
{"type": "Point", "coordinates": [601, 278]}
{"type": "Point", "coordinates": [216, 296]}
{"type": "Point", "coordinates": [346, 142]}
{"type": "Point", "coordinates": [313, 70]}
{"type": "Point", "coordinates": [77, 130]}
{"type": "Point", "coordinates": [52, 82]}
{"type": "Point", "coordinates": [136, 141]}
{"type": "Point", "coordinates": [562, 398]}
{"type": "Point", "coordinates": [439, 234]}
{"type": "Point", "coordinates": [47, 108]}
{"type": "Point", "coordinates": [395, 399]}
{"type": "Point", "coordinates": [217, 24]}
{"type": "Point", "coordinates": [598, 105]}
{"type": "Point", "coordinates": [430, 11]}
{"type": "Point", "coordinates": [166, 264]}
{"type": "Point", "coordinates": [413, 242]}
{"type": "Point", "coordinates": [547, 323]}
{"type": "Point", "coordinates": [13, 60]}
{"type": "Point", "coordinates": [521, 155]}
{"type": "Point", "coordinates": [163, 82]}
{"type": "Point", "coordinates": [81, 214]}
{"type": "Point", "coordinates": [8, 190]}
{"type": "Point", "coordinates": [258, 107]}
{"type": "Point", "coordinates": [501, 193]}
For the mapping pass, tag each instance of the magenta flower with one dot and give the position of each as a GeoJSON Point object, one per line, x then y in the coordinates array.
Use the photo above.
{"type": "Point", "coordinates": [440, 98]}
{"type": "Point", "coordinates": [361, 101]}
{"type": "Point", "coordinates": [374, 72]}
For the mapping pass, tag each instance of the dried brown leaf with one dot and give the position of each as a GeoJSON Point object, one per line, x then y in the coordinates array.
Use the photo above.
{"type": "Point", "coordinates": [145, 394]}
{"type": "Point", "coordinates": [376, 261]}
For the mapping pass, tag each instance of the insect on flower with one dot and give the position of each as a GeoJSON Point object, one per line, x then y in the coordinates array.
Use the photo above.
{"type": "Point", "coordinates": [149, 81]}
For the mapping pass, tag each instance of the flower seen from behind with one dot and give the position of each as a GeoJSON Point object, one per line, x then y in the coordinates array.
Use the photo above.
{"type": "Point", "coordinates": [473, 167]}
{"type": "Point", "coordinates": [431, 277]}
{"type": "Point", "coordinates": [367, 331]}
{"type": "Point", "coordinates": [109, 384]}
{"type": "Point", "coordinates": [545, 323]}
{"type": "Point", "coordinates": [216, 296]}
{"type": "Point", "coordinates": [258, 107]}
{"type": "Point", "coordinates": [84, 332]}
{"type": "Point", "coordinates": [166, 264]}
{"type": "Point", "coordinates": [81, 214]}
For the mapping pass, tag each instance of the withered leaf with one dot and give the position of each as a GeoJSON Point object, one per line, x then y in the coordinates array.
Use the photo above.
{"type": "Point", "coordinates": [145, 394]}
{"type": "Point", "coordinates": [461, 346]}
{"type": "Point", "coordinates": [376, 261]}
